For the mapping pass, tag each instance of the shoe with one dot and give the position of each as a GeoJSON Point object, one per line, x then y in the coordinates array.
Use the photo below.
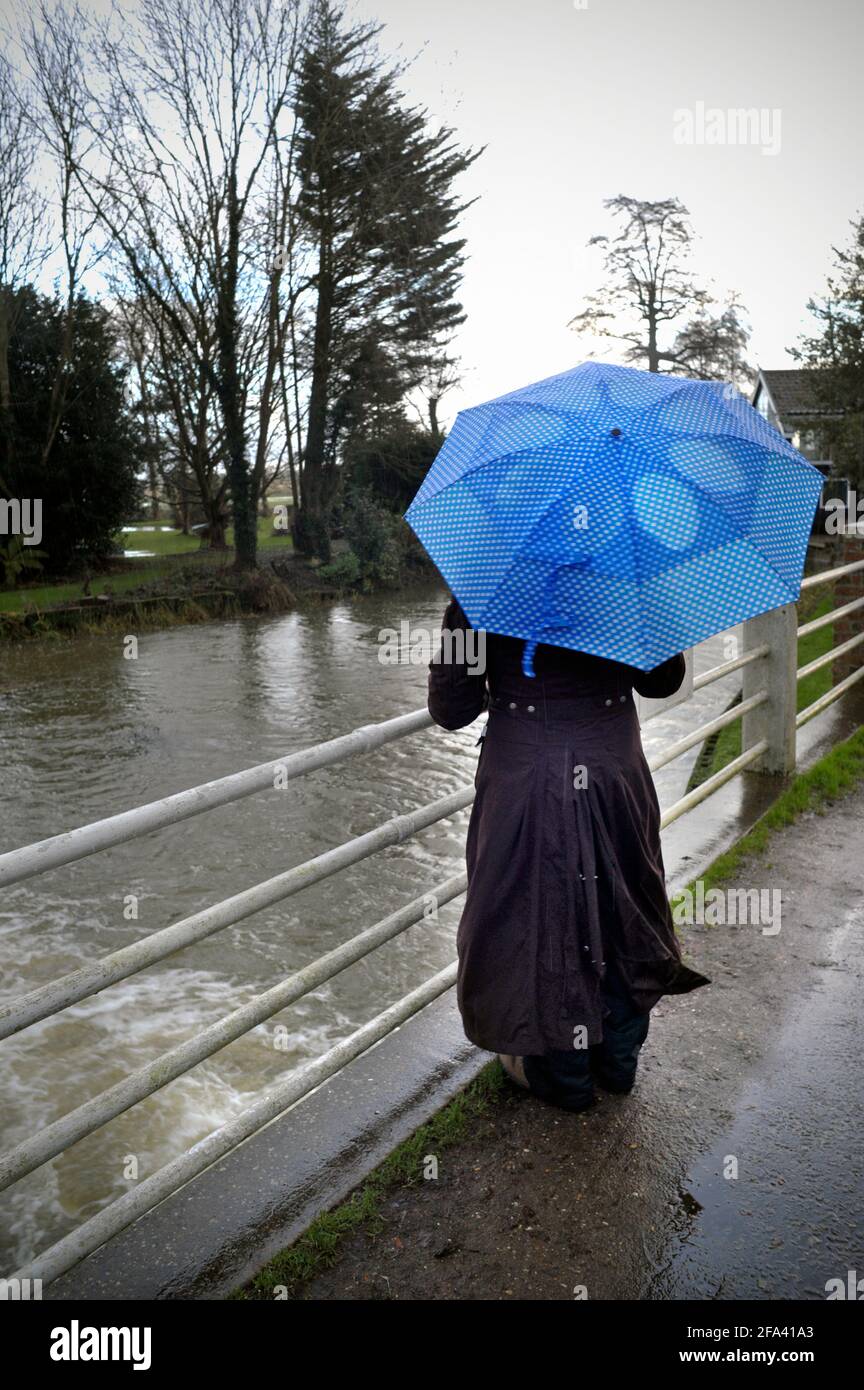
{"type": "Point", "coordinates": [515, 1069]}
{"type": "Point", "coordinates": [543, 1083]}
{"type": "Point", "coordinates": [615, 1088]}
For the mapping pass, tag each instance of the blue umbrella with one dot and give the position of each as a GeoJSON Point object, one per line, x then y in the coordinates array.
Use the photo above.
{"type": "Point", "coordinates": [617, 512]}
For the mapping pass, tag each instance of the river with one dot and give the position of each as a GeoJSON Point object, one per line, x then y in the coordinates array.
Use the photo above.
{"type": "Point", "coordinates": [86, 733]}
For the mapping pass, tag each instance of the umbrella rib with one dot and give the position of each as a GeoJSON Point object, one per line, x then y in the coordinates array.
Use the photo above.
{"type": "Point", "coordinates": [521, 449]}
{"type": "Point", "coordinates": [628, 501]}
{"type": "Point", "coordinates": [672, 395]}
{"type": "Point", "coordinates": [715, 502]}
{"type": "Point", "coordinates": [520, 555]}
{"type": "Point", "coordinates": [553, 502]}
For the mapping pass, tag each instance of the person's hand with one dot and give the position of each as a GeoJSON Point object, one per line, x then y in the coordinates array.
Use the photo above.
{"type": "Point", "coordinates": [454, 616]}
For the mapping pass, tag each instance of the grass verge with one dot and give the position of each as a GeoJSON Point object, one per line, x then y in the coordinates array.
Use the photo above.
{"type": "Point", "coordinates": [318, 1248]}
{"type": "Point", "coordinates": [833, 777]}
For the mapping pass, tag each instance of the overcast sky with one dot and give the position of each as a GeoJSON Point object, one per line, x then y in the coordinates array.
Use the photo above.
{"type": "Point", "coordinates": [577, 105]}
{"type": "Point", "coordinates": [576, 101]}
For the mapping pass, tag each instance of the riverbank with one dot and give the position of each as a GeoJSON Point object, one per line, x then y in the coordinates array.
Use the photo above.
{"type": "Point", "coordinates": [193, 589]}
{"type": "Point", "coordinates": [633, 1199]}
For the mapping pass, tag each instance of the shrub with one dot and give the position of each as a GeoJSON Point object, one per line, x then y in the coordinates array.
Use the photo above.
{"type": "Point", "coordinates": [372, 533]}
{"type": "Point", "coordinates": [344, 571]}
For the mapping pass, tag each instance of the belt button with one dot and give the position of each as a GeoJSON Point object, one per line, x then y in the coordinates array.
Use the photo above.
{"type": "Point", "coordinates": [608, 702]}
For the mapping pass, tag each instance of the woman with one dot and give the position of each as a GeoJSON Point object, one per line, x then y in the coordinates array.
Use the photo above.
{"type": "Point", "coordinates": [566, 941]}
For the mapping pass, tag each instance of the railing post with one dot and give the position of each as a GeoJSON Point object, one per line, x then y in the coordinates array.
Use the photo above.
{"type": "Point", "coordinates": [774, 720]}
{"type": "Point", "coordinates": [847, 588]}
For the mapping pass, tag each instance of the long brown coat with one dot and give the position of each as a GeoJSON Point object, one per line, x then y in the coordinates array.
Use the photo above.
{"type": "Point", "coordinates": [563, 851]}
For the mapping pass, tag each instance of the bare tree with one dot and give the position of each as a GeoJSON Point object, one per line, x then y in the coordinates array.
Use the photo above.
{"type": "Point", "coordinates": [189, 108]}
{"type": "Point", "coordinates": [712, 347]}
{"type": "Point", "coordinates": [185, 443]}
{"type": "Point", "coordinates": [52, 44]}
{"type": "Point", "coordinates": [23, 234]}
{"type": "Point", "coordinates": [650, 286]}
{"type": "Point", "coordinates": [441, 375]}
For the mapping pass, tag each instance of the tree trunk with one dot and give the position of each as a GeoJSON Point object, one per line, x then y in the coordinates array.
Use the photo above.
{"type": "Point", "coordinates": [216, 528]}
{"type": "Point", "coordinates": [229, 391]}
{"type": "Point", "coordinates": [653, 354]}
{"type": "Point", "coordinates": [7, 425]}
{"type": "Point", "coordinates": [310, 530]}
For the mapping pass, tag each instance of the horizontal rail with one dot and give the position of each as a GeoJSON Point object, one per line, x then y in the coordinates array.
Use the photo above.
{"type": "Point", "coordinates": [828, 576]}
{"type": "Point", "coordinates": [674, 750]}
{"type": "Point", "coordinates": [816, 623]}
{"type": "Point", "coordinates": [98, 1111]}
{"type": "Point", "coordinates": [90, 979]}
{"type": "Point", "coordinates": [718, 672]}
{"type": "Point", "coordinates": [817, 706]}
{"type": "Point", "coordinates": [711, 784]}
{"type": "Point", "coordinates": [18, 864]}
{"type": "Point", "coordinates": [829, 657]}
{"type": "Point", "coordinates": [272, 1102]}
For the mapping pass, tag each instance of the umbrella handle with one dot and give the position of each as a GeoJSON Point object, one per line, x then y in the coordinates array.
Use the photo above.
{"type": "Point", "coordinates": [531, 642]}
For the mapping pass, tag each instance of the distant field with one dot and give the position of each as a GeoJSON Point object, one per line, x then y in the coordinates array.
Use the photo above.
{"type": "Point", "coordinates": [162, 540]}
{"type": "Point", "coordinates": [158, 538]}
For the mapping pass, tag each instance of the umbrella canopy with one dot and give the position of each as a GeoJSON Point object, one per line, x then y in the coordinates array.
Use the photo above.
{"type": "Point", "coordinates": [617, 512]}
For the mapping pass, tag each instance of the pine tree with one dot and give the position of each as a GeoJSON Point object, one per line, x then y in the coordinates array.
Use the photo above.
{"type": "Point", "coordinates": [836, 355]}
{"type": "Point", "coordinates": [379, 212]}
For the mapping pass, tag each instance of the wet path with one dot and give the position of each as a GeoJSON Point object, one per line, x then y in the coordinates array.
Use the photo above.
{"type": "Point", "coordinates": [734, 1170]}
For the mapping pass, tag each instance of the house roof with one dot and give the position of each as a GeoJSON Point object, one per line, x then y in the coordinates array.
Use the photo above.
{"type": "Point", "coordinates": [793, 392]}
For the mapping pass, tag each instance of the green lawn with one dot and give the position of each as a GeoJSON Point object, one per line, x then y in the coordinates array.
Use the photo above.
{"type": "Point", "coordinates": [159, 541]}
{"type": "Point", "coordinates": [15, 600]}
{"type": "Point", "coordinates": [167, 545]}
{"type": "Point", "coordinates": [175, 543]}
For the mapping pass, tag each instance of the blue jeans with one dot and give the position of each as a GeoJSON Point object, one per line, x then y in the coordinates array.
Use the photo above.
{"type": "Point", "coordinates": [567, 1078]}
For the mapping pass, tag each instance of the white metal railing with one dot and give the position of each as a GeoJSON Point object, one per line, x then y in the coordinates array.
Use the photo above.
{"type": "Point", "coordinates": [837, 691]}
{"type": "Point", "coordinates": [769, 723]}
{"type": "Point", "coordinates": [116, 830]}
{"type": "Point", "coordinates": [129, 960]}
{"type": "Point", "coordinates": [96, 1112]}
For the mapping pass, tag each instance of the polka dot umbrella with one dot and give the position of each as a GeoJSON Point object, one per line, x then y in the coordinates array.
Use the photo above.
{"type": "Point", "coordinates": [623, 513]}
